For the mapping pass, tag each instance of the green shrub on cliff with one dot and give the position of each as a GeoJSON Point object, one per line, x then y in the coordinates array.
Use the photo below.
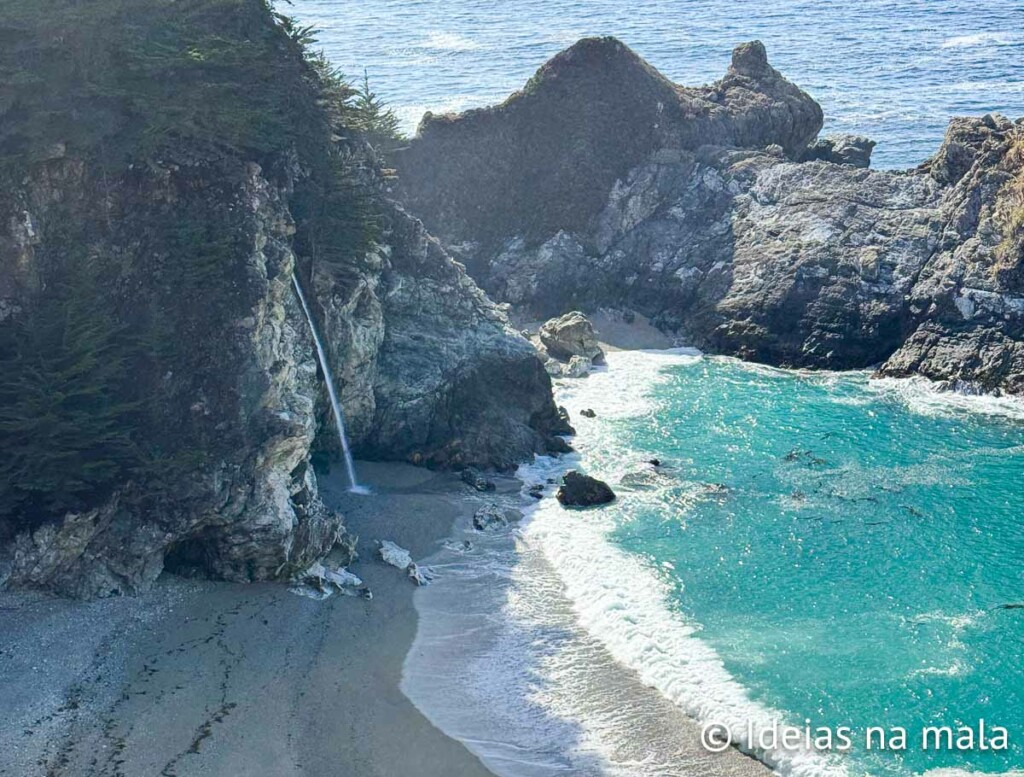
{"type": "Point", "coordinates": [63, 420]}
{"type": "Point", "coordinates": [374, 118]}
{"type": "Point", "coordinates": [128, 78]}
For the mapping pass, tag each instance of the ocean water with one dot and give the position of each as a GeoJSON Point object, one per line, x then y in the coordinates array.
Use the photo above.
{"type": "Point", "coordinates": [895, 70]}
{"type": "Point", "coordinates": [815, 547]}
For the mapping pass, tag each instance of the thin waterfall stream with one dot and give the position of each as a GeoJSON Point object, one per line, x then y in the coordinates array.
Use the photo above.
{"type": "Point", "coordinates": [339, 419]}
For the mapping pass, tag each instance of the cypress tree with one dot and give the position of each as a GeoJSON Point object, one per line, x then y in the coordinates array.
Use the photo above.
{"type": "Point", "coordinates": [65, 425]}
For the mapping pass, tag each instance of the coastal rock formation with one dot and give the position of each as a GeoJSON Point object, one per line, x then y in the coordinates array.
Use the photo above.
{"type": "Point", "coordinates": [579, 490]}
{"type": "Point", "coordinates": [160, 390]}
{"type": "Point", "coordinates": [240, 399]}
{"type": "Point", "coordinates": [714, 212]}
{"type": "Point", "coordinates": [475, 480]}
{"type": "Point", "coordinates": [431, 372]}
{"type": "Point", "coordinates": [483, 177]}
{"type": "Point", "coordinates": [966, 311]}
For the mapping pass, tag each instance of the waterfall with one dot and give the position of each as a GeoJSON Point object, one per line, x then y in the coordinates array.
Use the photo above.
{"type": "Point", "coordinates": [339, 420]}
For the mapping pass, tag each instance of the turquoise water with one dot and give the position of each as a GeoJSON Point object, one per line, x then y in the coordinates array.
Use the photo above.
{"type": "Point", "coordinates": [814, 547]}
{"type": "Point", "coordinates": [844, 548]}
{"type": "Point", "coordinates": [896, 71]}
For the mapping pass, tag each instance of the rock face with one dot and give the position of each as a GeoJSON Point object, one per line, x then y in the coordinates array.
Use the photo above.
{"type": "Point", "coordinates": [853, 150]}
{"type": "Point", "coordinates": [432, 371]}
{"type": "Point", "coordinates": [714, 212]}
{"type": "Point", "coordinates": [966, 310]}
{"type": "Point", "coordinates": [242, 397]}
{"type": "Point", "coordinates": [579, 490]}
{"type": "Point", "coordinates": [212, 400]}
{"type": "Point", "coordinates": [571, 335]}
{"type": "Point", "coordinates": [484, 178]}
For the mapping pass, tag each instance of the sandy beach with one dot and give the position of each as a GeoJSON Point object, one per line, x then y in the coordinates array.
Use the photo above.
{"type": "Point", "coordinates": [207, 678]}
{"type": "Point", "coordinates": [201, 678]}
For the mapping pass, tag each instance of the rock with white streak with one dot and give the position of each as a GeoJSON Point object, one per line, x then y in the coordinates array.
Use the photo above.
{"type": "Point", "coordinates": [400, 558]}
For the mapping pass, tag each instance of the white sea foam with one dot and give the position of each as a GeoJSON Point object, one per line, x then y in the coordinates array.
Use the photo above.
{"type": "Point", "coordinates": [623, 603]}
{"type": "Point", "coordinates": [449, 41]}
{"type": "Point", "coordinates": [925, 397]}
{"type": "Point", "coordinates": [551, 616]}
{"type": "Point", "coordinates": [978, 39]}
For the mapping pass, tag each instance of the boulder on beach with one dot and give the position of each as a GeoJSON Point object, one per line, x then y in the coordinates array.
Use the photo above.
{"type": "Point", "coordinates": [571, 335]}
{"type": "Point", "coordinates": [494, 516]}
{"type": "Point", "coordinates": [400, 558]}
{"type": "Point", "coordinates": [579, 490]}
{"type": "Point", "coordinates": [578, 367]}
{"type": "Point", "coordinates": [472, 477]}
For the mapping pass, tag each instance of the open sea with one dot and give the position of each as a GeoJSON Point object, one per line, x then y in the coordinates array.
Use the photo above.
{"type": "Point", "coordinates": [895, 70]}
{"type": "Point", "coordinates": [818, 549]}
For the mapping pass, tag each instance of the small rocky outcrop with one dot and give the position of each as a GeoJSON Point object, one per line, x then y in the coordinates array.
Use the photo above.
{"type": "Point", "coordinates": [398, 557]}
{"type": "Point", "coordinates": [579, 490]}
{"type": "Point", "coordinates": [853, 150]}
{"type": "Point", "coordinates": [571, 335]}
{"type": "Point", "coordinates": [577, 367]}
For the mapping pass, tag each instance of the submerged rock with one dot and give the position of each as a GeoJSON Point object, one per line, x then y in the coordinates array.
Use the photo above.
{"type": "Point", "coordinates": [579, 490]}
{"type": "Point", "coordinates": [588, 413]}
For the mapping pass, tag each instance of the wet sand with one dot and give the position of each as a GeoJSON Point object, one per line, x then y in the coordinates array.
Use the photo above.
{"type": "Point", "coordinates": [201, 678]}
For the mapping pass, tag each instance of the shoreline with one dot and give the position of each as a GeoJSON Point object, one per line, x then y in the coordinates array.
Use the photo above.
{"type": "Point", "coordinates": [210, 678]}
{"type": "Point", "coordinates": [569, 704]}
{"type": "Point", "coordinates": [198, 677]}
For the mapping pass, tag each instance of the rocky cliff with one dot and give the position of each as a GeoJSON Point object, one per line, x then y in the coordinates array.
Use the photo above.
{"type": "Point", "coordinates": [716, 212]}
{"type": "Point", "coordinates": [160, 391]}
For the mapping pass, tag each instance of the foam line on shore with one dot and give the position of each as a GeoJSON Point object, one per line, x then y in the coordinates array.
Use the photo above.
{"type": "Point", "coordinates": [619, 600]}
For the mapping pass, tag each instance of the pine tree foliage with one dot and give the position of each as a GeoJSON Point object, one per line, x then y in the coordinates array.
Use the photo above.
{"type": "Point", "coordinates": [63, 420]}
{"type": "Point", "coordinates": [374, 118]}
